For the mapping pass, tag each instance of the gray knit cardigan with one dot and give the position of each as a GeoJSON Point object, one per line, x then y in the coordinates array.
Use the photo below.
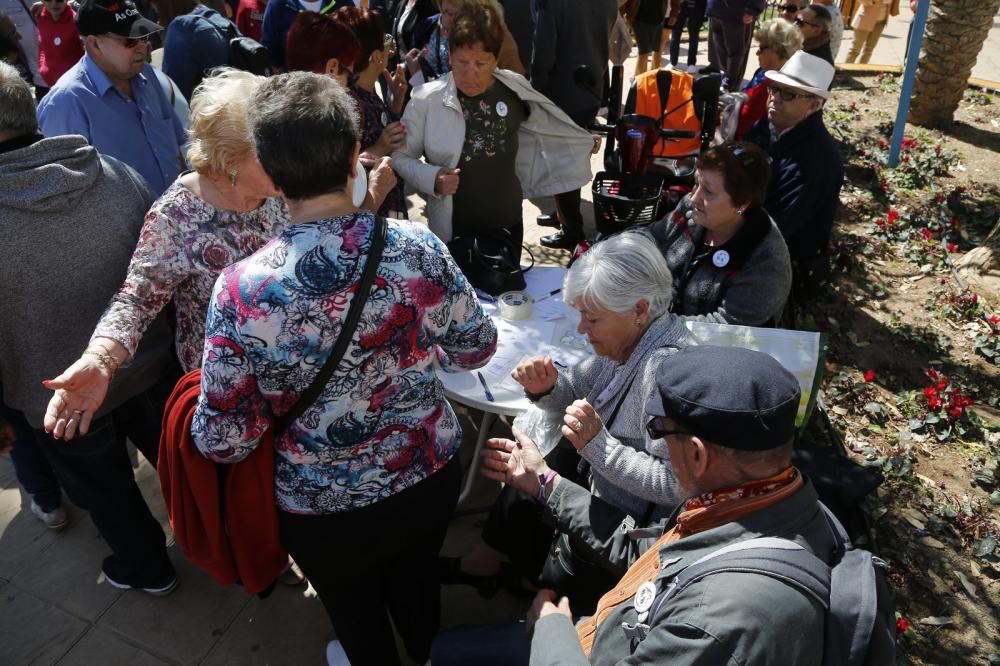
{"type": "Point", "coordinates": [629, 470]}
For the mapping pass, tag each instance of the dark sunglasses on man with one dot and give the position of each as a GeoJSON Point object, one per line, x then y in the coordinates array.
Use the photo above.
{"type": "Point", "coordinates": [799, 21]}
{"type": "Point", "coordinates": [655, 430]}
{"type": "Point", "coordinates": [787, 94]}
{"type": "Point", "coordinates": [788, 9]}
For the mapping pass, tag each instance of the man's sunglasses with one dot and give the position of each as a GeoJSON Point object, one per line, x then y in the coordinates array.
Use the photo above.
{"type": "Point", "coordinates": [801, 22]}
{"type": "Point", "coordinates": [786, 94]}
{"type": "Point", "coordinates": [791, 9]}
{"type": "Point", "coordinates": [655, 432]}
{"type": "Point", "coordinates": [129, 42]}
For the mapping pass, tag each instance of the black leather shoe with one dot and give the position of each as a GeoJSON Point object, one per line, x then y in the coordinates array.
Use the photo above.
{"type": "Point", "coordinates": [560, 240]}
{"type": "Point", "coordinates": [547, 221]}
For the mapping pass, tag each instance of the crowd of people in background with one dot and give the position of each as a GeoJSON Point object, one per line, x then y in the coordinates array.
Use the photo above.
{"type": "Point", "coordinates": [171, 212]}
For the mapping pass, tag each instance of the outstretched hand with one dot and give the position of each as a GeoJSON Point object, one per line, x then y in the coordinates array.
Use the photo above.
{"type": "Point", "coordinates": [79, 392]}
{"type": "Point", "coordinates": [516, 462]}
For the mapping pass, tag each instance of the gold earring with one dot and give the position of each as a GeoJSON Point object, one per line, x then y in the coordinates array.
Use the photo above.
{"type": "Point", "coordinates": [638, 322]}
{"type": "Point", "coordinates": [232, 178]}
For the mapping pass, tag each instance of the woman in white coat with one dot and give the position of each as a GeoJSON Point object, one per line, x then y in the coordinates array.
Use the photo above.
{"type": "Point", "coordinates": [480, 139]}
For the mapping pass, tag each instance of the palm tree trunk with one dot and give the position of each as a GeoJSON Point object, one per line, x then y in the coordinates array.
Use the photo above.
{"type": "Point", "coordinates": [956, 30]}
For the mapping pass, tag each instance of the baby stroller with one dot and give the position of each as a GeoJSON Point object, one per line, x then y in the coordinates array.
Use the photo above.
{"type": "Point", "coordinates": [651, 149]}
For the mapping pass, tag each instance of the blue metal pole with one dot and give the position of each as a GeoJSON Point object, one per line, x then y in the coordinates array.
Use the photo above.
{"type": "Point", "coordinates": [909, 76]}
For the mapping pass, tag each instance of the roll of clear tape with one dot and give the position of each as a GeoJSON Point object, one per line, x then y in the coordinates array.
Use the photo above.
{"type": "Point", "coordinates": [515, 305]}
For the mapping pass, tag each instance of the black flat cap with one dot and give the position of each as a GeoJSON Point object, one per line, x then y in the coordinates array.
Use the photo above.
{"type": "Point", "coordinates": [733, 397]}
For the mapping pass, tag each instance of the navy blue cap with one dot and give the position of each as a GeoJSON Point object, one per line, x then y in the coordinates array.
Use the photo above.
{"type": "Point", "coordinates": [730, 396]}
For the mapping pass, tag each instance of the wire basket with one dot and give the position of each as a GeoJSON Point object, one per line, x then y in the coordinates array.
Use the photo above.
{"type": "Point", "coordinates": [624, 200]}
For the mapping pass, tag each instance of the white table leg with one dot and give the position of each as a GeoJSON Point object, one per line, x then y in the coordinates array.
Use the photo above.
{"type": "Point", "coordinates": [485, 424]}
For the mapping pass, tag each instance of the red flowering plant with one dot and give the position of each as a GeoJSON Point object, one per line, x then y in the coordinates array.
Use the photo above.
{"type": "Point", "coordinates": [987, 344]}
{"type": "Point", "coordinates": [940, 409]}
{"type": "Point", "coordinates": [923, 158]}
{"type": "Point", "coordinates": [960, 306]}
{"type": "Point", "coordinates": [846, 393]}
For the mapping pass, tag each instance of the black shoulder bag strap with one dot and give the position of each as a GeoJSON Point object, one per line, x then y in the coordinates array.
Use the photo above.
{"type": "Point", "coordinates": [281, 423]}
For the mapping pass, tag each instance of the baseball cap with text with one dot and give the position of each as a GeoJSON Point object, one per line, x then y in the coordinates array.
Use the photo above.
{"type": "Point", "coordinates": [120, 17]}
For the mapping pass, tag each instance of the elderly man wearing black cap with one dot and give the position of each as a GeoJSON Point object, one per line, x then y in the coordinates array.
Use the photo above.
{"type": "Point", "coordinates": [728, 417]}
{"type": "Point", "coordinates": [112, 96]}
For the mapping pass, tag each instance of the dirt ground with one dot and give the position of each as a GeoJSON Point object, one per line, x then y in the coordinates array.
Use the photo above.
{"type": "Point", "coordinates": [895, 311]}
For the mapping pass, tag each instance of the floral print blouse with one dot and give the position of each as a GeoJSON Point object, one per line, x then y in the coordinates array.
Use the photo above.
{"type": "Point", "coordinates": [382, 424]}
{"type": "Point", "coordinates": [184, 244]}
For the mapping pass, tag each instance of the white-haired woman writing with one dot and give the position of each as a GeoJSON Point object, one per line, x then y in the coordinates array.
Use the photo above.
{"type": "Point", "coordinates": [622, 289]}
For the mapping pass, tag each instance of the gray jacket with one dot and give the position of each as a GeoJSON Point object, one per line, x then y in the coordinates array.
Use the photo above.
{"type": "Point", "coordinates": [735, 619]}
{"type": "Point", "coordinates": [69, 221]}
{"type": "Point", "coordinates": [749, 289]}
{"type": "Point", "coordinates": [630, 470]}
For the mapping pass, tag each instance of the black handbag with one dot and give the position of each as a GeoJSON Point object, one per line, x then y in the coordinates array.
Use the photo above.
{"type": "Point", "coordinates": [491, 261]}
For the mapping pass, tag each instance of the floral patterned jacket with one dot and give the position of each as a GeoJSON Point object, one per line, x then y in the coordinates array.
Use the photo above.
{"type": "Point", "coordinates": [382, 423]}
{"type": "Point", "coordinates": [183, 246]}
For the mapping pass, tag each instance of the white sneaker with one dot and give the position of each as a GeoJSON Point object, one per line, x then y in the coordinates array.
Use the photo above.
{"type": "Point", "coordinates": [55, 520]}
{"type": "Point", "coordinates": [335, 655]}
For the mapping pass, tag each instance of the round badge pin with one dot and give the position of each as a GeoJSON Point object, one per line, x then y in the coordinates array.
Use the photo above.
{"type": "Point", "coordinates": [644, 597]}
{"type": "Point", "coordinates": [720, 259]}
{"type": "Point", "coordinates": [57, 41]}
{"type": "Point", "coordinates": [502, 109]}
{"type": "Point", "coordinates": [385, 119]}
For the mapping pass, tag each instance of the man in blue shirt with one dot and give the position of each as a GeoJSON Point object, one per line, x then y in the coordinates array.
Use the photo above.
{"type": "Point", "coordinates": [112, 97]}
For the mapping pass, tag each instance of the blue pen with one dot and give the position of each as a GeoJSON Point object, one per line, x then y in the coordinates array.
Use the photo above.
{"type": "Point", "coordinates": [548, 295]}
{"type": "Point", "coordinates": [486, 388]}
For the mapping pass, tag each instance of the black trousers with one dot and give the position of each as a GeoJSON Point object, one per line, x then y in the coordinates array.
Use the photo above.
{"type": "Point", "coordinates": [96, 473]}
{"type": "Point", "coordinates": [379, 561]}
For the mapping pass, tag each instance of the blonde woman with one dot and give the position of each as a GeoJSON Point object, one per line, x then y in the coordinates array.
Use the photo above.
{"type": "Point", "coordinates": [208, 218]}
{"type": "Point", "coordinates": [868, 25]}
{"type": "Point", "coordinates": [777, 40]}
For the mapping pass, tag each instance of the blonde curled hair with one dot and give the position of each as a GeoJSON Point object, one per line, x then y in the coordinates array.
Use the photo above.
{"type": "Point", "coordinates": [220, 135]}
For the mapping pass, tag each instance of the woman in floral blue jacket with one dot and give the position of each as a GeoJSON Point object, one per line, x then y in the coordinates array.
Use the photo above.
{"type": "Point", "coordinates": [367, 478]}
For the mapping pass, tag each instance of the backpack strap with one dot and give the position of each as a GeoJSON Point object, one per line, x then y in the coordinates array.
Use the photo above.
{"type": "Point", "coordinates": [774, 557]}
